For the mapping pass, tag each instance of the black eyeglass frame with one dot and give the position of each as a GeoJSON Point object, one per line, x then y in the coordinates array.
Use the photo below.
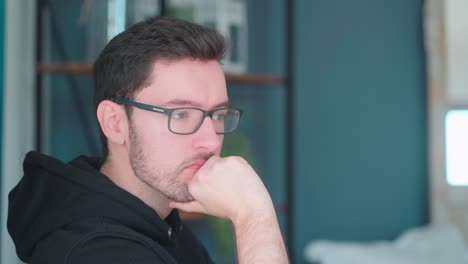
{"type": "Point", "coordinates": [169, 111]}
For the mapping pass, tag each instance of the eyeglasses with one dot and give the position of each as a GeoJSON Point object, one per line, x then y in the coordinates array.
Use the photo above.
{"type": "Point", "coordinates": [187, 120]}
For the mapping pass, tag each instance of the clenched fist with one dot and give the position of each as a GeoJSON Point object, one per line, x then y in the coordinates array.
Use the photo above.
{"type": "Point", "coordinates": [228, 188]}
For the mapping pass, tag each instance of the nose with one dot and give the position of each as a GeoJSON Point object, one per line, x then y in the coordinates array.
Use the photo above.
{"type": "Point", "coordinates": [206, 137]}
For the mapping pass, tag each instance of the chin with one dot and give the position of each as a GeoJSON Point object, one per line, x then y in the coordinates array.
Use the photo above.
{"type": "Point", "coordinates": [182, 197]}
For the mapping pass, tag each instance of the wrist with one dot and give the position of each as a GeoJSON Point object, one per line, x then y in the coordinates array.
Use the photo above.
{"type": "Point", "coordinates": [249, 218]}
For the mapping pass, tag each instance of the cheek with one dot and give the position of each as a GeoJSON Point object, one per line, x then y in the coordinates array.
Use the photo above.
{"type": "Point", "coordinates": [155, 140]}
{"type": "Point", "coordinates": [164, 148]}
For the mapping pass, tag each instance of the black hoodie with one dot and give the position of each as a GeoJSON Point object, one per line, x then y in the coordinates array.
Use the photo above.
{"type": "Point", "coordinates": [71, 213]}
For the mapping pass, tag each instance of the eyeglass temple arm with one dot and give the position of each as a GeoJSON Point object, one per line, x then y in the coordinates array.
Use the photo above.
{"type": "Point", "coordinates": [151, 108]}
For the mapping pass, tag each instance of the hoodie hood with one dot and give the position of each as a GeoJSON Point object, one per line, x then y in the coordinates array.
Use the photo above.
{"type": "Point", "coordinates": [53, 194]}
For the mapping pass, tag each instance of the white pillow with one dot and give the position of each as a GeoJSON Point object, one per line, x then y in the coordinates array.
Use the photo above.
{"type": "Point", "coordinates": [436, 244]}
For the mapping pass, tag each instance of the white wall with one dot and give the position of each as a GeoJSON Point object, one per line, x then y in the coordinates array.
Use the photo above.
{"type": "Point", "coordinates": [19, 105]}
{"type": "Point", "coordinates": [456, 29]}
{"type": "Point", "coordinates": [446, 41]}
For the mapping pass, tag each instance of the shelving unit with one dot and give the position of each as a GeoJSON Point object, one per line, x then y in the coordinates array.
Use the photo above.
{"type": "Point", "coordinates": [261, 80]}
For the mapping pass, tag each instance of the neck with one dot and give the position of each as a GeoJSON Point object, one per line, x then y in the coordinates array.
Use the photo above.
{"type": "Point", "coordinates": [121, 173]}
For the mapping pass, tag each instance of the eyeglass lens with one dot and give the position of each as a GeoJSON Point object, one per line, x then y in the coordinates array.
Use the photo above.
{"type": "Point", "coordinates": [188, 120]}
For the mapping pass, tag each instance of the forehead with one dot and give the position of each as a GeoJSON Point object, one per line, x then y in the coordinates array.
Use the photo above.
{"type": "Point", "coordinates": [202, 82]}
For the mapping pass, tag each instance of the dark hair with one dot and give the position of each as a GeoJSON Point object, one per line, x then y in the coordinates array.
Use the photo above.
{"type": "Point", "coordinates": [125, 64]}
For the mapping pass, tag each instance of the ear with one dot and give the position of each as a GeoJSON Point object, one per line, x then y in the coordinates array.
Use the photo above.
{"type": "Point", "coordinates": [113, 121]}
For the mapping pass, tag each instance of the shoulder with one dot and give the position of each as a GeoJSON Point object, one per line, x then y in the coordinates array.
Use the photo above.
{"type": "Point", "coordinates": [104, 243]}
{"type": "Point", "coordinates": [105, 248]}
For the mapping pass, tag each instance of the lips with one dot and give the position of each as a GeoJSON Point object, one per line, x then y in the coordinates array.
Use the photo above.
{"type": "Point", "coordinates": [196, 165]}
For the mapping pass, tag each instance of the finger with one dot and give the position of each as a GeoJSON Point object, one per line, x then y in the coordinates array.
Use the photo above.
{"type": "Point", "coordinates": [239, 159]}
{"type": "Point", "coordinates": [192, 207]}
{"type": "Point", "coordinates": [212, 160]}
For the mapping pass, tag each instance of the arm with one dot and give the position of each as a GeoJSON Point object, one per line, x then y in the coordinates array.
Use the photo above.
{"type": "Point", "coordinates": [259, 240]}
{"type": "Point", "coordinates": [230, 188]}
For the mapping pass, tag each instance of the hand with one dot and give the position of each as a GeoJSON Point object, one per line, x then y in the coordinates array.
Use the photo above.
{"type": "Point", "coordinates": [228, 188]}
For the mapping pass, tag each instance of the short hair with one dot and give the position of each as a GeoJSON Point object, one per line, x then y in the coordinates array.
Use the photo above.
{"type": "Point", "coordinates": [125, 64]}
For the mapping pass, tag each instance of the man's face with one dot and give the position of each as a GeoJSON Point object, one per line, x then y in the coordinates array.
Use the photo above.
{"type": "Point", "coordinates": [164, 160]}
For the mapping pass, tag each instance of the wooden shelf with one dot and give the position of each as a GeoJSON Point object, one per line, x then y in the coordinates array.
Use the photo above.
{"type": "Point", "coordinates": [67, 68]}
{"type": "Point", "coordinates": [86, 68]}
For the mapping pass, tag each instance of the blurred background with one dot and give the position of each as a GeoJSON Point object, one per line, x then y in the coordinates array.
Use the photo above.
{"type": "Point", "coordinates": [355, 112]}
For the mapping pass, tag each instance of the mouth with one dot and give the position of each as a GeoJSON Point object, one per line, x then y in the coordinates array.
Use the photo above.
{"type": "Point", "coordinates": [195, 165]}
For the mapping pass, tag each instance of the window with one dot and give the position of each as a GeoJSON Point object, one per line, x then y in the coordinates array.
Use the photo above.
{"type": "Point", "coordinates": [456, 136]}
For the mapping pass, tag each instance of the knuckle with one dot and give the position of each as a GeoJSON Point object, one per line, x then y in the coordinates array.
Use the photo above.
{"type": "Point", "coordinates": [237, 159]}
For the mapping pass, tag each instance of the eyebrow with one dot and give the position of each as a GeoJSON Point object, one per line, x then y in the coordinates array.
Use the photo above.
{"type": "Point", "coordinates": [180, 102]}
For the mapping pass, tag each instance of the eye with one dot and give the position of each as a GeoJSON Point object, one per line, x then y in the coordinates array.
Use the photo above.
{"type": "Point", "coordinates": [219, 116]}
{"type": "Point", "coordinates": [180, 115]}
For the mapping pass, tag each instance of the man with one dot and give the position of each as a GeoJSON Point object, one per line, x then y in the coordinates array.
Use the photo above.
{"type": "Point", "coordinates": [163, 109]}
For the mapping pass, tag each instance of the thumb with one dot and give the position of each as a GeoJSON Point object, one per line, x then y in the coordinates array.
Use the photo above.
{"type": "Point", "coordinates": [191, 207]}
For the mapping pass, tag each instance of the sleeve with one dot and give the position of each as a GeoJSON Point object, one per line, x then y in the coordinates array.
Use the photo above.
{"type": "Point", "coordinates": [118, 250]}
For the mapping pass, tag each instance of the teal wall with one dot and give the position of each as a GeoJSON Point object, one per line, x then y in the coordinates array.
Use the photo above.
{"type": "Point", "coordinates": [360, 122]}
